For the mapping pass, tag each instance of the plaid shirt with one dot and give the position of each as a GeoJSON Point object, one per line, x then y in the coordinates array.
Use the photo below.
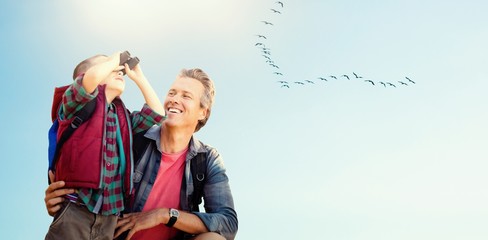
{"type": "Point", "coordinates": [109, 199]}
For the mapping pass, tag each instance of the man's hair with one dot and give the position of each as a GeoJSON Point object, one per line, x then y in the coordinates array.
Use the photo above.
{"type": "Point", "coordinates": [84, 65]}
{"type": "Point", "coordinates": [208, 93]}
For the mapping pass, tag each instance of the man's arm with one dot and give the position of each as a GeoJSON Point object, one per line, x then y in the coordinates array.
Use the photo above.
{"type": "Point", "coordinates": [220, 215]}
{"type": "Point", "coordinates": [187, 222]}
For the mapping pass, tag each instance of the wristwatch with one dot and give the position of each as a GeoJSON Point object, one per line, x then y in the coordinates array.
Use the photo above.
{"type": "Point", "coordinates": [173, 216]}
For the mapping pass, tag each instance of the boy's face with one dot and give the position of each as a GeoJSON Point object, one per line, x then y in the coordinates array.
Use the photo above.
{"type": "Point", "coordinates": [115, 81]}
{"type": "Point", "coordinates": [182, 104]}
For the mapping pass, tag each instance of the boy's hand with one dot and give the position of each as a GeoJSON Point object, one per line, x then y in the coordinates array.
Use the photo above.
{"type": "Point", "coordinates": [135, 73]}
{"type": "Point", "coordinates": [115, 58]}
{"type": "Point", "coordinates": [99, 71]}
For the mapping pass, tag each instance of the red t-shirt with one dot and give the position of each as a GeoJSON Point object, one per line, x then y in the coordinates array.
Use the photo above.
{"type": "Point", "coordinates": [165, 194]}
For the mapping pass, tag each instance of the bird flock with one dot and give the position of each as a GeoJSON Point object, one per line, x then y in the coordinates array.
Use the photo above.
{"type": "Point", "coordinates": [277, 9]}
{"type": "Point", "coordinates": [262, 40]}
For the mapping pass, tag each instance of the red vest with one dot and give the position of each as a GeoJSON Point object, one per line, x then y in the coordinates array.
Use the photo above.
{"type": "Point", "coordinates": [81, 157]}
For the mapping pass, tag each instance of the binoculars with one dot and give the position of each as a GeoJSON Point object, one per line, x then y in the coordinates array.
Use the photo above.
{"type": "Point", "coordinates": [126, 58]}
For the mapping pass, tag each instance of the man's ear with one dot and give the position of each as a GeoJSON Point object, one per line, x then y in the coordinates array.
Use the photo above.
{"type": "Point", "coordinates": [203, 114]}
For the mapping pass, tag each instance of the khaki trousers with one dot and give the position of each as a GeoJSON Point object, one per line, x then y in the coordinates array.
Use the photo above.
{"type": "Point", "coordinates": [74, 221]}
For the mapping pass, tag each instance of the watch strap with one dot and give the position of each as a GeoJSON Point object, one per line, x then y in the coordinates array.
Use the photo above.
{"type": "Point", "coordinates": [172, 217]}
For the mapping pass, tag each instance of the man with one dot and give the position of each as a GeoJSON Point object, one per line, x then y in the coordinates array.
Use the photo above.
{"type": "Point", "coordinates": [163, 180]}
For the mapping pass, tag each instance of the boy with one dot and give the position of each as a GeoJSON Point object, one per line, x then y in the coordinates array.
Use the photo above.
{"type": "Point", "coordinates": [97, 160]}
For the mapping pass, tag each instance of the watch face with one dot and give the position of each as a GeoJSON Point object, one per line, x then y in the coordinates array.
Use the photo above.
{"type": "Point", "coordinates": [174, 212]}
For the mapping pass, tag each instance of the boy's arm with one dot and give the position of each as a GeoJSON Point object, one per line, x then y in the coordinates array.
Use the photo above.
{"type": "Point", "coordinates": [75, 98]}
{"type": "Point", "coordinates": [97, 73]}
{"type": "Point", "coordinates": [147, 90]}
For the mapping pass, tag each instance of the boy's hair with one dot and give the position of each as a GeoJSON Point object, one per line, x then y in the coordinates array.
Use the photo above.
{"type": "Point", "coordinates": [84, 65]}
{"type": "Point", "coordinates": [208, 93]}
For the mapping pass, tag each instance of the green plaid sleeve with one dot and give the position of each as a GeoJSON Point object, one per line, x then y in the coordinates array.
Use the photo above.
{"type": "Point", "coordinates": [144, 119]}
{"type": "Point", "coordinates": [75, 98]}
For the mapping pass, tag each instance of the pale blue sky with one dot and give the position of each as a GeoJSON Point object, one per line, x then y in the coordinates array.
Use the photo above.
{"type": "Point", "coordinates": [335, 160]}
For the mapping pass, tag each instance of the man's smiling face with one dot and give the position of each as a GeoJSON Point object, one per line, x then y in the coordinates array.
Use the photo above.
{"type": "Point", "coordinates": [182, 104]}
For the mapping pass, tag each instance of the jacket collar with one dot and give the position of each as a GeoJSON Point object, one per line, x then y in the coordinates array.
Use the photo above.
{"type": "Point", "coordinates": [195, 146]}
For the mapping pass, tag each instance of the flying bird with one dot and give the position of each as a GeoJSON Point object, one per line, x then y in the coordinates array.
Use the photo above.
{"type": "Point", "coordinates": [267, 23]}
{"type": "Point", "coordinates": [391, 84]}
{"type": "Point", "coordinates": [285, 85]}
{"type": "Point", "coordinates": [384, 84]}
{"type": "Point", "coordinates": [280, 3]}
{"type": "Point", "coordinates": [278, 73]}
{"type": "Point", "coordinates": [356, 75]}
{"type": "Point", "coordinates": [283, 82]}
{"type": "Point", "coordinates": [309, 81]}
{"type": "Point", "coordinates": [322, 79]}
{"type": "Point", "coordinates": [332, 76]}
{"type": "Point", "coordinates": [275, 11]}
{"type": "Point", "coordinates": [403, 83]}
{"type": "Point", "coordinates": [267, 57]}
{"type": "Point", "coordinates": [261, 36]}
{"type": "Point", "coordinates": [299, 83]}
{"type": "Point", "coordinates": [267, 52]}
{"type": "Point", "coordinates": [369, 81]}
{"type": "Point", "coordinates": [272, 65]}
{"type": "Point", "coordinates": [259, 44]}
{"type": "Point", "coordinates": [410, 80]}
{"type": "Point", "coordinates": [346, 76]}
{"type": "Point", "coordinates": [269, 61]}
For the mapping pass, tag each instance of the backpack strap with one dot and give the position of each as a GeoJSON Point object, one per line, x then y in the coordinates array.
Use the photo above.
{"type": "Point", "coordinates": [142, 150]}
{"type": "Point", "coordinates": [198, 166]}
{"type": "Point", "coordinates": [139, 146]}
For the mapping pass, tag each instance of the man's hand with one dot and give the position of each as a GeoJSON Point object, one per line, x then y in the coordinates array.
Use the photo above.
{"type": "Point", "coordinates": [140, 221]}
{"type": "Point", "coordinates": [54, 195]}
